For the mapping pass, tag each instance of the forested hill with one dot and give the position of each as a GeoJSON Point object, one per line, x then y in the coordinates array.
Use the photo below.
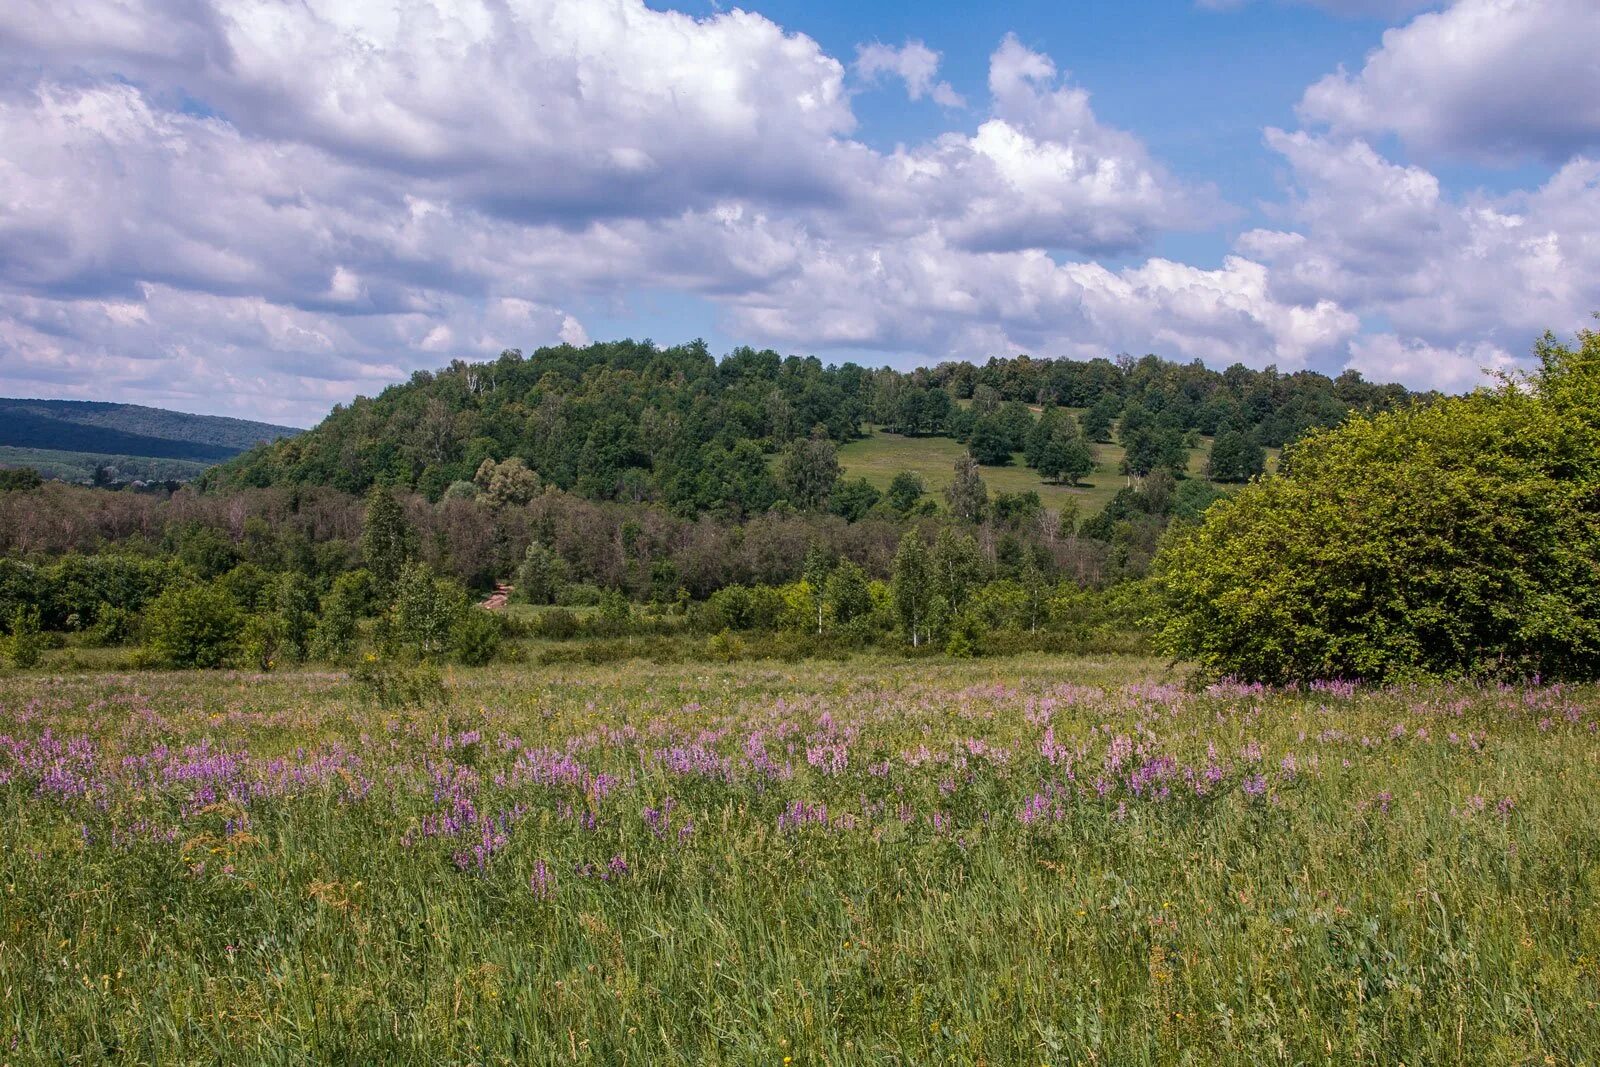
{"type": "Point", "coordinates": [82, 426]}
{"type": "Point", "coordinates": [628, 420]}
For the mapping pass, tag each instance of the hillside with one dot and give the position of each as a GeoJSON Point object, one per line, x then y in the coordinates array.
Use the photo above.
{"type": "Point", "coordinates": [65, 438]}
{"type": "Point", "coordinates": [628, 420]}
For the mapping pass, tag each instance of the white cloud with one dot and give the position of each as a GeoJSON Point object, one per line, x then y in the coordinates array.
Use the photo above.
{"type": "Point", "coordinates": [1450, 274]}
{"type": "Point", "coordinates": [1382, 357]}
{"type": "Point", "coordinates": [263, 208]}
{"type": "Point", "coordinates": [913, 63]}
{"type": "Point", "coordinates": [1492, 80]}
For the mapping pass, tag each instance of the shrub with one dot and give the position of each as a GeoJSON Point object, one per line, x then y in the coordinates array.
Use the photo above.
{"type": "Point", "coordinates": [478, 637]}
{"type": "Point", "coordinates": [1457, 538]}
{"type": "Point", "coordinates": [22, 647]}
{"type": "Point", "coordinates": [192, 626]}
{"type": "Point", "coordinates": [261, 643]}
{"type": "Point", "coordinates": [391, 685]}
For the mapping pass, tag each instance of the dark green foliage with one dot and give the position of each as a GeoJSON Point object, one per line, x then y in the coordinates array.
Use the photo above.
{"type": "Point", "coordinates": [808, 471]}
{"type": "Point", "coordinates": [1462, 537]}
{"type": "Point", "coordinates": [1097, 420]}
{"type": "Point", "coordinates": [294, 607]}
{"type": "Point", "coordinates": [540, 576]}
{"type": "Point", "coordinates": [906, 492]}
{"type": "Point", "coordinates": [990, 443]}
{"type": "Point", "coordinates": [206, 551]}
{"type": "Point", "coordinates": [1016, 510]}
{"type": "Point", "coordinates": [1236, 458]}
{"type": "Point", "coordinates": [1157, 448]}
{"type": "Point", "coordinates": [853, 499]}
{"type": "Point", "coordinates": [478, 637]}
{"type": "Point", "coordinates": [23, 644]}
{"type": "Point", "coordinates": [386, 537]}
{"type": "Point", "coordinates": [339, 615]}
{"type": "Point", "coordinates": [192, 626]}
{"type": "Point", "coordinates": [19, 479]}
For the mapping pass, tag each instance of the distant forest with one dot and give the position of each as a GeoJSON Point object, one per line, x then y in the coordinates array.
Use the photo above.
{"type": "Point", "coordinates": [632, 422]}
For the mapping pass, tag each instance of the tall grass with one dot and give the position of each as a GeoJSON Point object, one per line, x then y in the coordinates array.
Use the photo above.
{"type": "Point", "coordinates": [1046, 862]}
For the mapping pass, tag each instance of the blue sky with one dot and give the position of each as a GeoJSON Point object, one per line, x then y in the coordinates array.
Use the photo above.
{"type": "Point", "coordinates": [259, 208]}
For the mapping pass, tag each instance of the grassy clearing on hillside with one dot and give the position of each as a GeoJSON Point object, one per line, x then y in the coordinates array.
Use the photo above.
{"type": "Point", "coordinates": [1045, 862]}
{"type": "Point", "coordinates": [882, 455]}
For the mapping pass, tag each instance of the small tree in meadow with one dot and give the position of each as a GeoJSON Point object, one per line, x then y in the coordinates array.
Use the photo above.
{"type": "Point", "coordinates": [22, 647]}
{"type": "Point", "coordinates": [192, 626]}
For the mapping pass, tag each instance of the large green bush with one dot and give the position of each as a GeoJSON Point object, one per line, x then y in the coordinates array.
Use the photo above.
{"type": "Point", "coordinates": [1460, 537]}
{"type": "Point", "coordinates": [192, 626]}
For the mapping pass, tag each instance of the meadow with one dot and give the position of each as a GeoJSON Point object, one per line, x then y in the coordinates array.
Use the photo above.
{"type": "Point", "coordinates": [881, 455]}
{"type": "Point", "coordinates": [1006, 861]}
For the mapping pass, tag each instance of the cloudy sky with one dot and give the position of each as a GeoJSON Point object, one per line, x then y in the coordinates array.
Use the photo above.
{"type": "Point", "coordinates": [263, 207]}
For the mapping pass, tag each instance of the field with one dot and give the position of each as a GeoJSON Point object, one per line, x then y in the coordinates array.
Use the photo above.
{"type": "Point", "coordinates": [1048, 861]}
{"type": "Point", "coordinates": [881, 455]}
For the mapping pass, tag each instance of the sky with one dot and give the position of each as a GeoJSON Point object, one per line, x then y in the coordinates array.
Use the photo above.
{"type": "Point", "coordinates": [262, 208]}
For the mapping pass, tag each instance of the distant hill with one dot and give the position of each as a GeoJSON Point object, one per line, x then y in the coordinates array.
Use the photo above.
{"type": "Point", "coordinates": [129, 437]}
{"type": "Point", "coordinates": [629, 421]}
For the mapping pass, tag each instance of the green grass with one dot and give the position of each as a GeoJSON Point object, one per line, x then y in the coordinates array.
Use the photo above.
{"type": "Point", "coordinates": [881, 455]}
{"type": "Point", "coordinates": [231, 868]}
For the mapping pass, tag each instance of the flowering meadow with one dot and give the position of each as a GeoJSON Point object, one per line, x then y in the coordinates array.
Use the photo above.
{"type": "Point", "coordinates": [1049, 861]}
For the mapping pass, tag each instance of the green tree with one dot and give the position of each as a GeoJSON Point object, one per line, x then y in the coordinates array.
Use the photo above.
{"type": "Point", "coordinates": [478, 636]}
{"type": "Point", "coordinates": [1235, 457]}
{"type": "Point", "coordinates": [955, 567]}
{"type": "Point", "coordinates": [19, 479]}
{"type": "Point", "coordinates": [991, 441]}
{"type": "Point", "coordinates": [852, 499]}
{"type": "Point", "coordinates": [510, 482]}
{"type": "Point", "coordinates": [967, 496]}
{"type": "Point", "coordinates": [819, 567]}
{"type": "Point", "coordinates": [847, 596]}
{"type": "Point", "coordinates": [22, 647]}
{"type": "Point", "coordinates": [540, 575]}
{"type": "Point", "coordinates": [295, 607]}
{"type": "Point", "coordinates": [906, 491]}
{"type": "Point", "coordinates": [1457, 537]}
{"type": "Point", "coordinates": [1097, 420]}
{"type": "Point", "coordinates": [1065, 458]}
{"type": "Point", "coordinates": [192, 626]}
{"type": "Point", "coordinates": [911, 587]}
{"type": "Point", "coordinates": [339, 615]}
{"type": "Point", "coordinates": [386, 538]}
{"type": "Point", "coordinates": [807, 472]}
{"type": "Point", "coordinates": [425, 611]}
{"type": "Point", "coordinates": [1150, 448]}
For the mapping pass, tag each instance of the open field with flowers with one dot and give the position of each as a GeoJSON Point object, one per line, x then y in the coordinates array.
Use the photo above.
{"type": "Point", "coordinates": [1046, 861]}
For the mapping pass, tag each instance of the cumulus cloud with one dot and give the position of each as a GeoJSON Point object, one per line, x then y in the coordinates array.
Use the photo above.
{"type": "Point", "coordinates": [294, 201]}
{"type": "Point", "coordinates": [262, 208]}
{"type": "Point", "coordinates": [1490, 80]}
{"type": "Point", "coordinates": [1385, 239]}
{"type": "Point", "coordinates": [913, 63]}
{"type": "Point", "coordinates": [1461, 368]}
